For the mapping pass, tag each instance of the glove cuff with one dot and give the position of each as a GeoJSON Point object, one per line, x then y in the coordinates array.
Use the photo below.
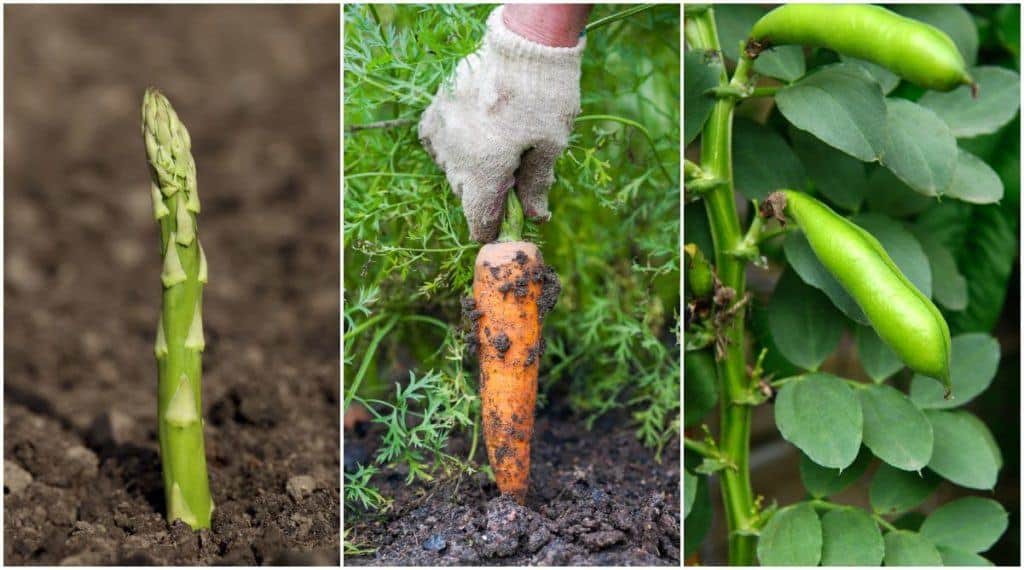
{"type": "Point", "coordinates": [533, 56]}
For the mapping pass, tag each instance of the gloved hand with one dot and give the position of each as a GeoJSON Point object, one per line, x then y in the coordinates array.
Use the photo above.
{"type": "Point", "coordinates": [503, 121]}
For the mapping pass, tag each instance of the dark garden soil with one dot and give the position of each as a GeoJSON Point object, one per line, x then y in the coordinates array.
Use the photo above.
{"type": "Point", "coordinates": [257, 87]}
{"type": "Point", "coordinates": [596, 498]}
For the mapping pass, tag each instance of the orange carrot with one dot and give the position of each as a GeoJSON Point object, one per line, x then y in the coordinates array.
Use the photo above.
{"type": "Point", "coordinates": [512, 291]}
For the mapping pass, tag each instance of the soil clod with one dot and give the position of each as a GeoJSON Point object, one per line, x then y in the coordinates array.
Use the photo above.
{"type": "Point", "coordinates": [603, 538]}
{"type": "Point", "coordinates": [522, 287]}
{"type": "Point", "coordinates": [536, 352]}
{"type": "Point", "coordinates": [503, 453]}
{"type": "Point", "coordinates": [300, 487]}
{"type": "Point", "coordinates": [502, 343]}
{"type": "Point", "coordinates": [472, 316]}
{"type": "Point", "coordinates": [551, 288]}
{"type": "Point", "coordinates": [16, 479]}
{"type": "Point", "coordinates": [508, 524]}
{"type": "Point", "coordinates": [435, 543]}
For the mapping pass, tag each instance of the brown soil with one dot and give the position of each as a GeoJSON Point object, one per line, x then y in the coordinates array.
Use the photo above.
{"type": "Point", "coordinates": [258, 88]}
{"type": "Point", "coordinates": [596, 498]}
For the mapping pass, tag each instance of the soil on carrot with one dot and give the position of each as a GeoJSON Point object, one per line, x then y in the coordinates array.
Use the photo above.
{"type": "Point", "coordinates": [551, 288]}
{"type": "Point", "coordinates": [597, 498]}
{"type": "Point", "coordinates": [257, 87]}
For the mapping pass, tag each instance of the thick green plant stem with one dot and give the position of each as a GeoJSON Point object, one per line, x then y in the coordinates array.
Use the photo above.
{"type": "Point", "coordinates": [726, 233]}
{"type": "Point", "coordinates": [512, 223]}
{"type": "Point", "coordinates": [179, 336]}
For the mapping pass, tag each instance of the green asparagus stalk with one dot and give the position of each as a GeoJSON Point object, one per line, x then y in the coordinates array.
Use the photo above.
{"type": "Point", "coordinates": [179, 337]}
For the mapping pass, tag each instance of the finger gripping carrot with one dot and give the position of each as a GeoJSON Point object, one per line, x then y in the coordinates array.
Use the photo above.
{"type": "Point", "coordinates": [512, 292]}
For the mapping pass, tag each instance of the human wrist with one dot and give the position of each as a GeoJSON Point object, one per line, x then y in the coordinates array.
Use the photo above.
{"type": "Point", "coordinates": [532, 62]}
{"type": "Point", "coordinates": [555, 25]}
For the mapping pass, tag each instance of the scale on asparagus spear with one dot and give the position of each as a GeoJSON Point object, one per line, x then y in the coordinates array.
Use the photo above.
{"type": "Point", "coordinates": [179, 336]}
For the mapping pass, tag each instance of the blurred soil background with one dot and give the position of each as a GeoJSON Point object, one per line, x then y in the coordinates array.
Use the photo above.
{"type": "Point", "coordinates": [258, 88]}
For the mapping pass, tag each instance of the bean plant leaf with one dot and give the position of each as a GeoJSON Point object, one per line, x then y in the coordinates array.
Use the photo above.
{"type": "Point", "coordinates": [889, 195]}
{"type": "Point", "coordinates": [820, 415]}
{"type": "Point", "coordinates": [946, 221]}
{"type": "Point", "coordinates": [965, 452]}
{"type": "Point", "coordinates": [920, 149]}
{"type": "Point", "coordinates": [974, 181]}
{"type": "Point", "coordinates": [971, 524]}
{"type": "Point", "coordinates": [786, 63]}
{"type": "Point", "coordinates": [823, 482]}
{"type": "Point", "coordinates": [802, 260]}
{"type": "Point", "coordinates": [973, 365]}
{"type": "Point", "coordinates": [842, 105]}
{"type": "Point", "coordinates": [1005, 160]}
{"type": "Point", "coordinates": [983, 146]}
{"type": "Point", "coordinates": [774, 363]}
{"type": "Point", "coordinates": [894, 429]}
{"type": "Point", "coordinates": [805, 325]}
{"type": "Point", "coordinates": [878, 360]}
{"type": "Point", "coordinates": [792, 537]}
{"type": "Point", "coordinates": [762, 161]}
{"type": "Point", "coordinates": [895, 491]}
{"type": "Point", "coordinates": [700, 391]}
{"type": "Point", "coordinates": [997, 103]}
{"type": "Point", "coordinates": [837, 175]}
{"type": "Point", "coordinates": [701, 71]}
{"type": "Point", "coordinates": [886, 79]}
{"type": "Point", "coordinates": [690, 484]}
{"type": "Point", "coordinates": [953, 19]}
{"type": "Point", "coordinates": [906, 548]}
{"type": "Point", "coordinates": [697, 523]}
{"type": "Point", "coordinates": [955, 557]}
{"type": "Point", "coordinates": [909, 521]}
{"type": "Point", "coordinates": [850, 538]}
{"type": "Point", "coordinates": [1007, 22]}
{"type": "Point", "coordinates": [696, 228]}
{"type": "Point", "coordinates": [734, 22]}
{"type": "Point", "coordinates": [987, 258]}
{"type": "Point", "coordinates": [950, 285]}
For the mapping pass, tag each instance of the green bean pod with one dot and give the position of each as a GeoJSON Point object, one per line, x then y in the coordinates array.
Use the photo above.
{"type": "Point", "coordinates": [904, 318]}
{"type": "Point", "coordinates": [917, 52]}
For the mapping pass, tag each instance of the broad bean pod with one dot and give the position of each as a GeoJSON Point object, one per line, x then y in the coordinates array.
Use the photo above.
{"type": "Point", "coordinates": [918, 52]}
{"type": "Point", "coordinates": [904, 318]}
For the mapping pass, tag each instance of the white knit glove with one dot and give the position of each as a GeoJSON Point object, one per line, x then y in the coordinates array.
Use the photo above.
{"type": "Point", "coordinates": [503, 122]}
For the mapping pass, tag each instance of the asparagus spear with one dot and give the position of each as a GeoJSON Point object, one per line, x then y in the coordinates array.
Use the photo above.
{"type": "Point", "coordinates": [179, 337]}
